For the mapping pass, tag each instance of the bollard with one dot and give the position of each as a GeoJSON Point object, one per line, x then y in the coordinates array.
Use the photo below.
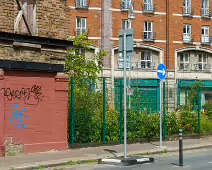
{"type": "Point", "coordinates": [180, 147]}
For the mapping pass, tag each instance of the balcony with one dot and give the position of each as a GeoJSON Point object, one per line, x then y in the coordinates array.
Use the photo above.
{"type": "Point", "coordinates": [206, 13]}
{"type": "Point", "coordinates": [82, 4]}
{"type": "Point", "coordinates": [187, 38]}
{"type": "Point", "coordinates": [184, 67]}
{"type": "Point", "coordinates": [202, 67]}
{"type": "Point", "coordinates": [125, 5]}
{"type": "Point", "coordinates": [206, 40]}
{"type": "Point", "coordinates": [145, 65]}
{"type": "Point", "coordinates": [149, 36]}
{"type": "Point", "coordinates": [149, 8]}
{"type": "Point", "coordinates": [188, 11]}
{"type": "Point", "coordinates": [80, 31]}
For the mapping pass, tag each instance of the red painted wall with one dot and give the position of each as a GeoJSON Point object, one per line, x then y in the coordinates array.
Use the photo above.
{"type": "Point", "coordinates": [45, 114]}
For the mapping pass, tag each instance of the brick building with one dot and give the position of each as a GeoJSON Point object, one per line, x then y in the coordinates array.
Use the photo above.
{"type": "Point", "coordinates": [176, 33]}
{"type": "Point", "coordinates": [33, 87]}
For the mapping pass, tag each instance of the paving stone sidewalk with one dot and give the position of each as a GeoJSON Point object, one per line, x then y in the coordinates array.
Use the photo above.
{"type": "Point", "coordinates": [92, 153]}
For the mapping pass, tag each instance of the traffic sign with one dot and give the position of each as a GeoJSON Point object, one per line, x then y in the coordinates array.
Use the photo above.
{"type": "Point", "coordinates": [161, 71]}
{"type": "Point", "coordinates": [129, 41]}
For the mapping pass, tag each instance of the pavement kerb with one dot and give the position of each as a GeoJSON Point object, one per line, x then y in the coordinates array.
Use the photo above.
{"type": "Point", "coordinates": [60, 162]}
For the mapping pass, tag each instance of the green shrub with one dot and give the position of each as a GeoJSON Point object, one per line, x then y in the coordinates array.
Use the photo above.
{"type": "Point", "coordinates": [208, 109]}
{"type": "Point", "coordinates": [205, 125]}
{"type": "Point", "coordinates": [172, 123]}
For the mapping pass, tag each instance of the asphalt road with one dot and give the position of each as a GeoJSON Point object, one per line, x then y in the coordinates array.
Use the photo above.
{"type": "Point", "coordinates": [193, 160]}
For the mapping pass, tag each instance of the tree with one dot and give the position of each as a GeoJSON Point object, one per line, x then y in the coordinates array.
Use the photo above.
{"type": "Point", "coordinates": [77, 65]}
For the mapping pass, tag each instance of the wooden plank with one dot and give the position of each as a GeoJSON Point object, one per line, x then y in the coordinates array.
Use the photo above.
{"type": "Point", "coordinates": [18, 18]}
{"type": "Point", "coordinates": [24, 16]}
{"type": "Point", "coordinates": [34, 18]}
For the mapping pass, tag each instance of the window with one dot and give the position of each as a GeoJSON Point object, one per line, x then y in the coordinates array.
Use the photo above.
{"type": "Point", "coordinates": [126, 4]}
{"type": "Point", "coordinates": [184, 61]}
{"type": "Point", "coordinates": [205, 34]}
{"type": "Point", "coordinates": [121, 61]}
{"type": "Point", "coordinates": [146, 59]}
{"type": "Point", "coordinates": [187, 7]}
{"type": "Point", "coordinates": [81, 3]}
{"type": "Point", "coordinates": [187, 33]}
{"type": "Point", "coordinates": [126, 24]}
{"type": "Point", "coordinates": [148, 31]}
{"type": "Point", "coordinates": [148, 6]}
{"type": "Point", "coordinates": [80, 51]}
{"type": "Point", "coordinates": [81, 26]}
{"type": "Point", "coordinates": [205, 8]}
{"type": "Point", "coordinates": [202, 61]}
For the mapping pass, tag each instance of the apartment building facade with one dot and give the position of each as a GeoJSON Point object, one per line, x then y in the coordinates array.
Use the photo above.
{"type": "Point", "coordinates": [176, 33]}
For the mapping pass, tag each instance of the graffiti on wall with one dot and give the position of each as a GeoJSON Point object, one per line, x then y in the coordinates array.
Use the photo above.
{"type": "Point", "coordinates": [31, 96]}
{"type": "Point", "coordinates": [18, 117]}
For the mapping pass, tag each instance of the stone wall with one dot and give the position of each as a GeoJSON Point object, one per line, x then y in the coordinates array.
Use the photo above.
{"type": "Point", "coordinates": [31, 53]}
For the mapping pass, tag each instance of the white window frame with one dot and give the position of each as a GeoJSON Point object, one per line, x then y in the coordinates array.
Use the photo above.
{"type": "Point", "coordinates": [184, 64]}
{"type": "Point", "coordinates": [145, 61]}
{"type": "Point", "coordinates": [121, 61]}
{"type": "Point", "coordinates": [126, 4]}
{"type": "Point", "coordinates": [79, 27]}
{"type": "Point", "coordinates": [205, 7]}
{"type": "Point", "coordinates": [187, 31]}
{"type": "Point", "coordinates": [148, 30]}
{"type": "Point", "coordinates": [205, 34]}
{"type": "Point", "coordinates": [148, 5]}
{"type": "Point", "coordinates": [187, 6]}
{"type": "Point", "coordinates": [81, 3]}
{"type": "Point", "coordinates": [126, 24]}
{"type": "Point", "coordinates": [202, 63]}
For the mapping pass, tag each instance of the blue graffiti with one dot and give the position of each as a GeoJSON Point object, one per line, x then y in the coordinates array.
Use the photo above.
{"type": "Point", "coordinates": [17, 117]}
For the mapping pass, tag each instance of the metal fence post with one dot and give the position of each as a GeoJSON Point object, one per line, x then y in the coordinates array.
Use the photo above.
{"type": "Point", "coordinates": [164, 111]}
{"type": "Point", "coordinates": [199, 108]}
{"type": "Point", "coordinates": [72, 113]}
{"type": "Point", "coordinates": [104, 110]}
{"type": "Point", "coordinates": [120, 114]}
{"type": "Point", "coordinates": [180, 147]}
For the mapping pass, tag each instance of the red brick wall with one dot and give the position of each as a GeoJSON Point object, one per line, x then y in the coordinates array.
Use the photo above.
{"type": "Point", "coordinates": [46, 121]}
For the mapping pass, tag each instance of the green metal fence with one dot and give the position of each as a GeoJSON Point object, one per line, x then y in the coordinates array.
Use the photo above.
{"type": "Point", "coordinates": [96, 112]}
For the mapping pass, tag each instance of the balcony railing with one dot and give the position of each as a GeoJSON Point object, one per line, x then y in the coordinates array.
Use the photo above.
{"type": "Point", "coordinates": [188, 11]}
{"type": "Point", "coordinates": [149, 8]}
{"type": "Point", "coordinates": [187, 38]}
{"type": "Point", "coordinates": [145, 65]}
{"type": "Point", "coordinates": [184, 66]}
{"type": "Point", "coordinates": [125, 5]}
{"type": "Point", "coordinates": [82, 4]}
{"type": "Point", "coordinates": [149, 36]}
{"type": "Point", "coordinates": [206, 13]}
{"type": "Point", "coordinates": [206, 40]}
{"type": "Point", "coordinates": [80, 31]}
{"type": "Point", "coordinates": [202, 67]}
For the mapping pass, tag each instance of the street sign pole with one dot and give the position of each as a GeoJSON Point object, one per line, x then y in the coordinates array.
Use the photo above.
{"type": "Point", "coordinates": [125, 97]}
{"type": "Point", "coordinates": [126, 49]}
{"type": "Point", "coordinates": [161, 71]}
{"type": "Point", "coordinates": [160, 113]}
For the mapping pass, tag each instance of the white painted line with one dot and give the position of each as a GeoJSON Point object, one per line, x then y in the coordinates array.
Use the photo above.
{"type": "Point", "coordinates": [142, 159]}
{"type": "Point", "coordinates": [111, 160]}
{"type": "Point", "coordinates": [210, 162]}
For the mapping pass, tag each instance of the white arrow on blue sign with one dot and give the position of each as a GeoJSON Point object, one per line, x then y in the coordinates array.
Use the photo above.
{"type": "Point", "coordinates": [161, 72]}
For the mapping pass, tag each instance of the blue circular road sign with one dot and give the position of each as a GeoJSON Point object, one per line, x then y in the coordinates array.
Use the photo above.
{"type": "Point", "coordinates": [161, 71]}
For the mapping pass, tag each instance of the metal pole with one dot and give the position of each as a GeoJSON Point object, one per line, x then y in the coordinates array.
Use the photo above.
{"type": "Point", "coordinates": [72, 113]}
{"type": "Point", "coordinates": [125, 101]}
{"type": "Point", "coordinates": [164, 111]}
{"type": "Point", "coordinates": [120, 114]}
{"type": "Point", "coordinates": [104, 110]}
{"type": "Point", "coordinates": [180, 147]}
{"type": "Point", "coordinates": [199, 109]}
{"type": "Point", "coordinates": [161, 113]}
